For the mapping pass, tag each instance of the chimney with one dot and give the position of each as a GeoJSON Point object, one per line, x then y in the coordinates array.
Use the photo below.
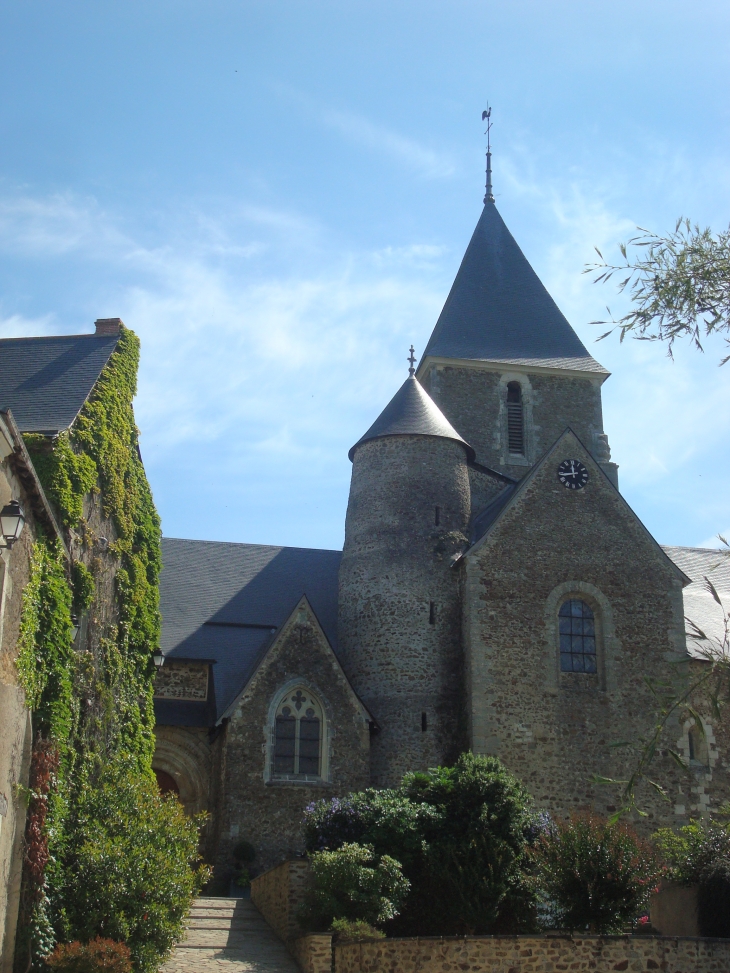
{"type": "Point", "coordinates": [108, 325]}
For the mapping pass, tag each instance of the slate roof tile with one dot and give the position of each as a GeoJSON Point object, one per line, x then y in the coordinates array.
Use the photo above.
{"type": "Point", "coordinates": [498, 309]}
{"type": "Point", "coordinates": [700, 607]}
{"type": "Point", "coordinates": [45, 381]}
{"type": "Point", "coordinates": [225, 602]}
{"type": "Point", "coordinates": [412, 412]}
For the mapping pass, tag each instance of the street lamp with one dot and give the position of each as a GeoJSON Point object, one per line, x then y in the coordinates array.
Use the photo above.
{"type": "Point", "coordinates": [12, 521]}
{"type": "Point", "coordinates": [158, 659]}
{"type": "Point", "coordinates": [74, 627]}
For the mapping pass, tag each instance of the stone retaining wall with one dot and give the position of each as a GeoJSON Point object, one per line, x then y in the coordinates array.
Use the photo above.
{"type": "Point", "coordinates": [528, 954]}
{"type": "Point", "coordinates": [279, 894]}
{"type": "Point", "coordinates": [313, 952]}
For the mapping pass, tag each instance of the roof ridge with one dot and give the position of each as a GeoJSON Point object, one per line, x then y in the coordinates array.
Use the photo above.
{"type": "Point", "coordinates": [271, 547]}
{"type": "Point", "coordinates": [60, 337]}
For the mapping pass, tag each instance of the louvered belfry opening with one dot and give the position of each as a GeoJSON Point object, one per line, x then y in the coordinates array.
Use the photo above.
{"type": "Point", "coordinates": [515, 421]}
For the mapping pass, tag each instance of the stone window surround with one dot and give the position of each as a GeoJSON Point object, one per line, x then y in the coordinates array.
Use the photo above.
{"type": "Point", "coordinates": [272, 779]}
{"type": "Point", "coordinates": [523, 380]}
{"type": "Point", "coordinates": [607, 645]}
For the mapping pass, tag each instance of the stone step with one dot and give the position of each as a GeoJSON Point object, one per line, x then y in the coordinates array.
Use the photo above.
{"type": "Point", "coordinates": [230, 933]}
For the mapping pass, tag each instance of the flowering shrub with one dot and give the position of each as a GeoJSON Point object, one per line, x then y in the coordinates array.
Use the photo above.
{"type": "Point", "coordinates": [460, 834]}
{"type": "Point", "coordinates": [596, 875]}
{"type": "Point", "coordinates": [699, 854]}
{"type": "Point", "coordinates": [352, 883]}
{"type": "Point", "coordinates": [689, 850]}
{"type": "Point", "coordinates": [131, 865]}
{"type": "Point", "coordinates": [97, 956]}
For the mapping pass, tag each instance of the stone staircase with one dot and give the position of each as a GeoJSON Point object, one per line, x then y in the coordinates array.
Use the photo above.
{"type": "Point", "coordinates": [228, 936]}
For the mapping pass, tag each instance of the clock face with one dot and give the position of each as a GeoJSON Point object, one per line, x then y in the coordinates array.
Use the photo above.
{"type": "Point", "coordinates": [572, 474]}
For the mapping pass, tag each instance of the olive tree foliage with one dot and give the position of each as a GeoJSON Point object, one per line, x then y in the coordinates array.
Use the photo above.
{"type": "Point", "coordinates": [679, 285]}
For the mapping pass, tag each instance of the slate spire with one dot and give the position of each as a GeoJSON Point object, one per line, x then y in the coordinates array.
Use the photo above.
{"type": "Point", "coordinates": [412, 412]}
{"type": "Point", "coordinates": [499, 311]}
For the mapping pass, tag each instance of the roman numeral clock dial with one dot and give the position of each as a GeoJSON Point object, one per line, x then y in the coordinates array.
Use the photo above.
{"type": "Point", "coordinates": [572, 474]}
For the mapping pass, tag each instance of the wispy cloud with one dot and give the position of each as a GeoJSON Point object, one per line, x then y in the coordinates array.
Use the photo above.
{"type": "Point", "coordinates": [378, 138]}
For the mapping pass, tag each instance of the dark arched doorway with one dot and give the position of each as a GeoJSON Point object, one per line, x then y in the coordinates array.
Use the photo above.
{"type": "Point", "coordinates": [167, 783]}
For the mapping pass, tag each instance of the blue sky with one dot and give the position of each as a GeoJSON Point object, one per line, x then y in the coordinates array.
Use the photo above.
{"type": "Point", "coordinates": [276, 196]}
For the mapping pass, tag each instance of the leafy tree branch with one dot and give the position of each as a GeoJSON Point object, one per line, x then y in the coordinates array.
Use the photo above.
{"type": "Point", "coordinates": [679, 285]}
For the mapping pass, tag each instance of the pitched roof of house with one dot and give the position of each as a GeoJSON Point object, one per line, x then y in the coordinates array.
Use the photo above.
{"type": "Point", "coordinates": [700, 607]}
{"type": "Point", "coordinates": [412, 412]}
{"type": "Point", "coordinates": [498, 309]}
{"type": "Point", "coordinates": [46, 381]}
{"type": "Point", "coordinates": [225, 603]}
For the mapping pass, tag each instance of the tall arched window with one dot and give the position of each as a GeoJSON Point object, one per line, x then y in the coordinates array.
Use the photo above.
{"type": "Point", "coordinates": [698, 750]}
{"type": "Point", "coordinates": [577, 637]}
{"type": "Point", "coordinates": [298, 735]}
{"type": "Point", "coordinates": [515, 420]}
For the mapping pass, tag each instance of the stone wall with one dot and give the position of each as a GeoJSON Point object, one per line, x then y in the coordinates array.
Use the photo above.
{"type": "Point", "coordinates": [528, 954]}
{"type": "Point", "coordinates": [15, 718]}
{"type": "Point", "coordinates": [280, 893]}
{"type": "Point", "coordinates": [554, 729]}
{"type": "Point", "coordinates": [182, 680]}
{"type": "Point", "coordinates": [473, 399]}
{"type": "Point", "coordinates": [399, 599]}
{"type": "Point", "coordinates": [256, 806]}
{"type": "Point", "coordinates": [313, 952]}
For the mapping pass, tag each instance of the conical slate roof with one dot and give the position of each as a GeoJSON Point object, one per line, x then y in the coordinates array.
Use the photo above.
{"type": "Point", "coordinates": [412, 412]}
{"type": "Point", "coordinates": [499, 310]}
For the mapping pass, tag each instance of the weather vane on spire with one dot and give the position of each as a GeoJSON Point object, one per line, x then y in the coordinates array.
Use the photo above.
{"type": "Point", "coordinates": [411, 358]}
{"type": "Point", "coordinates": [487, 115]}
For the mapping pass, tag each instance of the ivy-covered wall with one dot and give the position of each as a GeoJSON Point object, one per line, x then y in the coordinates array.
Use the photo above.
{"type": "Point", "coordinates": [92, 697]}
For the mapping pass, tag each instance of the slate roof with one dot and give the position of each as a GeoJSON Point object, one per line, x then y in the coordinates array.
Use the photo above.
{"type": "Point", "coordinates": [700, 607]}
{"type": "Point", "coordinates": [412, 412]}
{"type": "Point", "coordinates": [498, 309]}
{"type": "Point", "coordinates": [45, 381]}
{"type": "Point", "coordinates": [225, 602]}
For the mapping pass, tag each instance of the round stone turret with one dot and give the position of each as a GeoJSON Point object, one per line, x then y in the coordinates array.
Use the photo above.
{"type": "Point", "coordinates": [399, 600]}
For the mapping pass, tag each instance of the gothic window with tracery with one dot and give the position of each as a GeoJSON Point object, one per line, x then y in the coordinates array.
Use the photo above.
{"type": "Point", "coordinates": [298, 736]}
{"type": "Point", "coordinates": [577, 628]}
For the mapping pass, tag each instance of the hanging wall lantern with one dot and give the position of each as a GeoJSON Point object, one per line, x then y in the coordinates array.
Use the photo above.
{"type": "Point", "coordinates": [12, 521]}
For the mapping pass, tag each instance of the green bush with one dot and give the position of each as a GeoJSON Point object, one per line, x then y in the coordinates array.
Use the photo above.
{"type": "Point", "coordinates": [353, 883]}
{"type": "Point", "coordinates": [346, 931]}
{"type": "Point", "coordinates": [461, 835]}
{"type": "Point", "coordinates": [689, 850]}
{"type": "Point", "coordinates": [595, 875]}
{"type": "Point", "coordinates": [97, 956]}
{"type": "Point", "coordinates": [130, 866]}
{"type": "Point", "coordinates": [713, 900]}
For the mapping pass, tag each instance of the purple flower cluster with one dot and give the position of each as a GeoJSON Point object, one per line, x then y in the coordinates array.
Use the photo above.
{"type": "Point", "coordinates": [330, 824]}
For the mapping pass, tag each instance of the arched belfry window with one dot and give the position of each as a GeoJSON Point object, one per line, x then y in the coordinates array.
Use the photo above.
{"type": "Point", "coordinates": [577, 628]}
{"type": "Point", "coordinates": [298, 734]}
{"type": "Point", "coordinates": [515, 419]}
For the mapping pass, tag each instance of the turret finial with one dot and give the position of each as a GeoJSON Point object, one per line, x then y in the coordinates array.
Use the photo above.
{"type": "Point", "coordinates": [412, 359]}
{"type": "Point", "coordinates": [489, 196]}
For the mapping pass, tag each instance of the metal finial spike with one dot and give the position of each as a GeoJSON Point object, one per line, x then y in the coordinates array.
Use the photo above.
{"type": "Point", "coordinates": [412, 359]}
{"type": "Point", "coordinates": [487, 115]}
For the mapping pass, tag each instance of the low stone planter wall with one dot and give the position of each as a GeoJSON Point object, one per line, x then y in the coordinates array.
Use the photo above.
{"type": "Point", "coordinates": [532, 954]}
{"type": "Point", "coordinates": [279, 894]}
{"type": "Point", "coordinates": [313, 952]}
{"type": "Point", "coordinates": [673, 911]}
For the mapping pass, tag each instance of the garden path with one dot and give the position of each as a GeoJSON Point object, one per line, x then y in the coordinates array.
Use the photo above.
{"type": "Point", "coordinates": [228, 936]}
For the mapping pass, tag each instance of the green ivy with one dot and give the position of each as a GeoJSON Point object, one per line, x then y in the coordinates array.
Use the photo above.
{"type": "Point", "coordinates": [96, 706]}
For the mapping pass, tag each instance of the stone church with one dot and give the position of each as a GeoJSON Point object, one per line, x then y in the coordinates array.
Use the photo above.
{"type": "Point", "coordinates": [495, 593]}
